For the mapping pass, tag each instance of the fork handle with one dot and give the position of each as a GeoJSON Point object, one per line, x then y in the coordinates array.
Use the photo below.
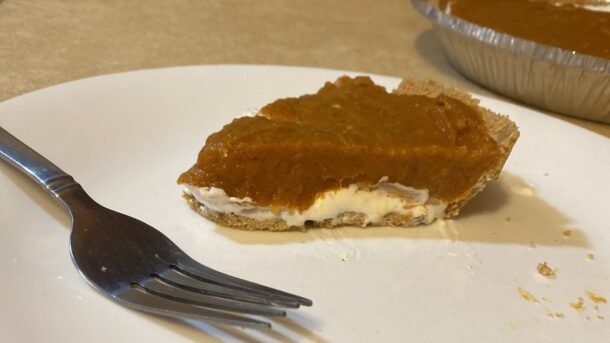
{"type": "Point", "coordinates": [33, 164]}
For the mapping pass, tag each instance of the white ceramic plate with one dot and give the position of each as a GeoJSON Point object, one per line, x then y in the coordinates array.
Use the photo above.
{"type": "Point", "coordinates": [127, 137]}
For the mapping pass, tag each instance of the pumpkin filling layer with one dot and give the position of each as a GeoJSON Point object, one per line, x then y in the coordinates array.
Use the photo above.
{"type": "Point", "coordinates": [351, 132]}
{"type": "Point", "coordinates": [565, 26]}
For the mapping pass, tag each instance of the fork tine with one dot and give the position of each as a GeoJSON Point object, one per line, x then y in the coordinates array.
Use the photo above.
{"type": "Point", "coordinates": [178, 279]}
{"type": "Point", "coordinates": [136, 297]}
{"type": "Point", "coordinates": [155, 285]}
{"type": "Point", "coordinates": [195, 269]}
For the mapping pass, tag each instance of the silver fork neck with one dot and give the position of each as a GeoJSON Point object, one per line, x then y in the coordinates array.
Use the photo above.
{"type": "Point", "coordinates": [59, 183]}
{"type": "Point", "coordinates": [31, 163]}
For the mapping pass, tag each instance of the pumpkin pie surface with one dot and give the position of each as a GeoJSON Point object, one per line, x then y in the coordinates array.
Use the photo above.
{"type": "Point", "coordinates": [351, 132]}
{"type": "Point", "coordinates": [563, 25]}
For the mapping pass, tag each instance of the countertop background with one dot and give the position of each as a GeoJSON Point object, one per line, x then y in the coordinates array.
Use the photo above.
{"type": "Point", "coordinates": [46, 42]}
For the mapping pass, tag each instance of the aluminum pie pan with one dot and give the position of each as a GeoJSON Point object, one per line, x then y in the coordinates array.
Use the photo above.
{"type": "Point", "coordinates": [540, 75]}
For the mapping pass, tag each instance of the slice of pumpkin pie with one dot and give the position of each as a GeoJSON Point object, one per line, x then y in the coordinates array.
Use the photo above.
{"type": "Point", "coordinates": [351, 154]}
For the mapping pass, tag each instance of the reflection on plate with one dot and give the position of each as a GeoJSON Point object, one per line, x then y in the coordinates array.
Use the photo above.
{"type": "Point", "coordinates": [126, 137]}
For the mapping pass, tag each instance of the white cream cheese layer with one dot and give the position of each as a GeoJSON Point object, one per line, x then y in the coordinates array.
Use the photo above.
{"type": "Point", "coordinates": [375, 203]}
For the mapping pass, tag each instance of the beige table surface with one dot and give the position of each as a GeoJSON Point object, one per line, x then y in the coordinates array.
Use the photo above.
{"type": "Point", "coordinates": [46, 42]}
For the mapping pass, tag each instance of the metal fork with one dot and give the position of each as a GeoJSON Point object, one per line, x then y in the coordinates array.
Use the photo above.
{"type": "Point", "coordinates": [139, 267]}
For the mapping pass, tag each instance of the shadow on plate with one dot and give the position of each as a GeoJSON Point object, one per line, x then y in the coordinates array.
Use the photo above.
{"type": "Point", "coordinates": [506, 212]}
{"type": "Point", "coordinates": [287, 329]}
